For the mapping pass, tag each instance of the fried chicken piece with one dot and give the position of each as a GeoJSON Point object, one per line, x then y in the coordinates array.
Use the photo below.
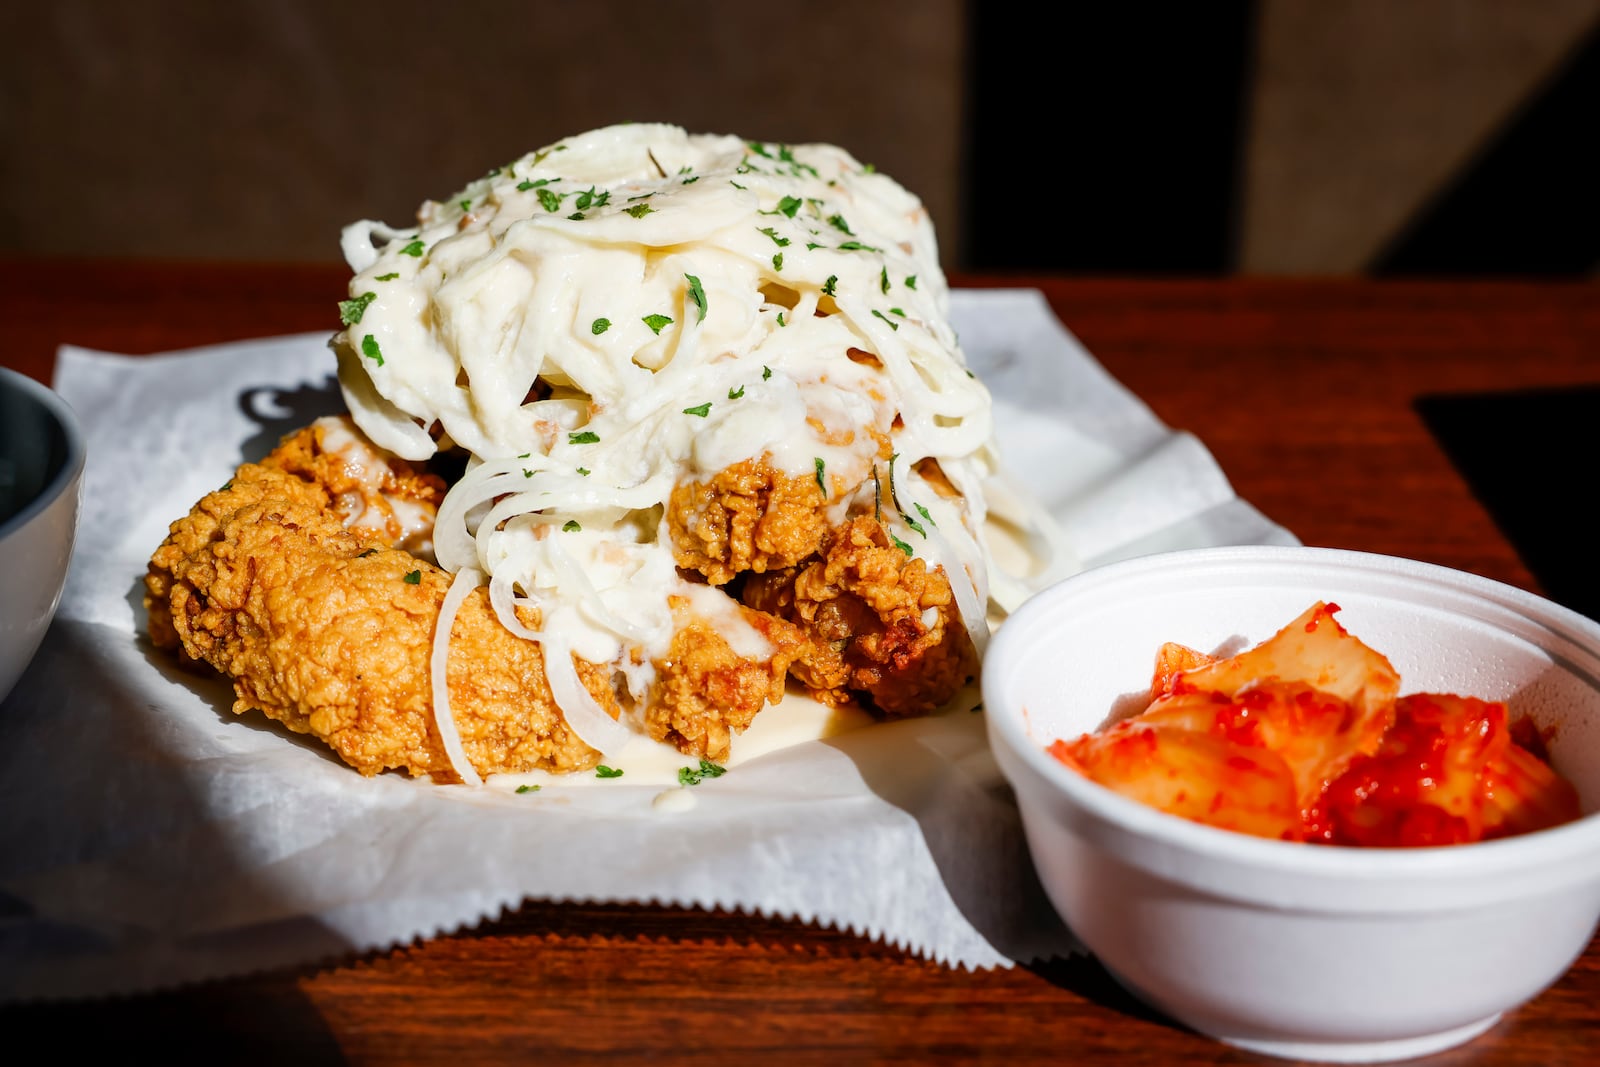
{"type": "Point", "coordinates": [748, 517]}
{"type": "Point", "coordinates": [330, 631]}
{"type": "Point", "coordinates": [877, 623]}
{"type": "Point", "coordinates": [705, 691]}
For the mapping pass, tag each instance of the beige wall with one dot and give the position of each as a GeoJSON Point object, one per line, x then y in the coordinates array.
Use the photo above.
{"type": "Point", "coordinates": [255, 130]}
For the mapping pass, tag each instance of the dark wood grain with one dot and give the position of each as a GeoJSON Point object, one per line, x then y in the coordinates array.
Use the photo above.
{"type": "Point", "coordinates": [1303, 390]}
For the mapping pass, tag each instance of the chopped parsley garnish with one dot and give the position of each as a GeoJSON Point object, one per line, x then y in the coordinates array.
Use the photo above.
{"type": "Point", "coordinates": [655, 322]}
{"type": "Point", "coordinates": [694, 776]}
{"type": "Point", "coordinates": [591, 197]}
{"type": "Point", "coordinates": [526, 473]}
{"type": "Point", "coordinates": [570, 526]}
{"type": "Point", "coordinates": [525, 455]}
{"type": "Point", "coordinates": [583, 437]}
{"type": "Point", "coordinates": [527, 789]}
{"type": "Point", "coordinates": [829, 286]}
{"type": "Point", "coordinates": [892, 324]}
{"type": "Point", "coordinates": [550, 200]}
{"type": "Point", "coordinates": [812, 246]}
{"type": "Point", "coordinates": [821, 482]}
{"type": "Point", "coordinates": [735, 394]}
{"type": "Point", "coordinates": [780, 319]}
{"type": "Point", "coordinates": [857, 246]}
{"type": "Point", "coordinates": [911, 281]}
{"type": "Point", "coordinates": [913, 523]}
{"type": "Point", "coordinates": [414, 248]}
{"type": "Point", "coordinates": [897, 311]}
{"type": "Point", "coordinates": [759, 149]}
{"type": "Point", "coordinates": [776, 239]}
{"type": "Point", "coordinates": [576, 216]}
{"type": "Point", "coordinates": [902, 546]}
{"type": "Point", "coordinates": [599, 326]}
{"type": "Point", "coordinates": [524, 186]}
{"type": "Point", "coordinates": [883, 279]}
{"type": "Point", "coordinates": [777, 261]}
{"type": "Point", "coordinates": [639, 211]}
{"type": "Point", "coordinates": [350, 311]}
{"type": "Point", "coordinates": [838, 223]}
{"type": "Point", "coordinates": [690, 180]}
{"type": "Point", "coordinates": [414, 578]}
{"type": "Point", "coordinates": [924, 512]}
{"type": "Point", "coordinates": [735, 184]}
{"type": "Point", "coordinates": [766, 372]}
{"type": "Point", "coordinates": [697, 293]}
{"type": "Point", "coordinates": [603, 771]}
{"type": "Point", "coordinates": [466, 205]}
{"type": "Point", "coordinates": [699, 409]}
{"type": "Point", "coordinates": [370, 349]}
{"type": "Point", "coordinates": [584, 471]}
{"type": "Point", "coordinates": [789, 205]}
{"type": "Point", "coordinates": [391, 276]}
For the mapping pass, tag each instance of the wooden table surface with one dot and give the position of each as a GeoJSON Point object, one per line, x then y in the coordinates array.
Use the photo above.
{"type": "Point", "coordinates": [1303, 390]}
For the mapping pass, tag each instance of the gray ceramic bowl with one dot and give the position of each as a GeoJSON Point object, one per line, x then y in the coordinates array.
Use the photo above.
{"type": "Point", "coordinates": [41, 474]}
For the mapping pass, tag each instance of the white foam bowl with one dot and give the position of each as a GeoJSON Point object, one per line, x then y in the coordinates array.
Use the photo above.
{"type": "Point", "coordinates": [41, 473]}
{"type": "Point", "coordinates": [1302, 951]}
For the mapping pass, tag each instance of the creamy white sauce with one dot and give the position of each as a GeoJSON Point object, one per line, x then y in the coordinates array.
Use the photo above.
{"type": "Point", "coordinates": [693, 300]}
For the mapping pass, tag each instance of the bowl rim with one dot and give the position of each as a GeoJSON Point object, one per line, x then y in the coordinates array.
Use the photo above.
{"type": "Point", "coordinates": [1008, 731]}
{"type": "Point", "coordinates": [70, 470]}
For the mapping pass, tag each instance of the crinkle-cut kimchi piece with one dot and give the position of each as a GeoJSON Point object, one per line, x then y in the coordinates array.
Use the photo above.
{"type": "Point", "coordinates": [1192, 774]}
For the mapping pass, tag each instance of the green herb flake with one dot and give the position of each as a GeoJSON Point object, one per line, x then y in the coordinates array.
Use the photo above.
{"type": "Point", "coordinates": [696, 775]}
{"type": "Point", "coordinates": [697, 293]}
{"type": "Point", "coordinates": [226, 486]}
{"type": "Point", "coordinates": [583, 437]}
{"type": "Point", "coordinates": [370, 349]}
{"type": "Point", "coordinates": [735, 394]}
{"type": "Point", "coordinates": [911, 281]}
{"type": "Point", "coordinates": [812, 246]}
{"type": "Point", "coordinates": [735, 184]}
{"type": "Point", "coordinates": [576, 216]}
{"type": "Point", "coordinates": [857, 246]}
{"type": "Point", "coordinates": [777, 261]}
{"type": "Point", "coordinates": [838, 223]}
{"type": "Point", "coordinates": [897, 311]}
{"type": "Point", "coordinates": [527, 789]}
{"type": "Point", "coordinates": [639, 211]}
{"type": "Point", "coordinates": [550, 200]}
{"type": "Point", "coordinates": [892, 324]}
{"type": "Point", "coordinates": [924, 513]}
{"type": "Point", "coordinates": [414, 248]}
{"type": "Point", "coordinates": [701, 410]}
{"type": "Point", "coordinates": [766, 372]}
{"type": "Point", "coordinates": [776, 239]}
{"type": "Point", "coordinates": [391, 276]}
{"type": "Point", "coordinates": [821, 478]}
{"type": "Point", "coordinates": [466, 205]}
{"type": "Point", "coordinates": [902, 546]}
{"type": "Point", "coordinates": [655, 322]}
{"type": "Point", "coordinates": [913, 523]}
{"type": "Point", "coordinates": [789, 205]}
{"type": "Point", "coordinates": [599, 326]}
{"type": "Point", "coordinates": [691, 179]}
{"type": "Point", "coordinates": [571, 526]}
{"type": "Point", "coordinates": [414, 578]}
{"type": "Point", "coordinates": [350, 311]}
{"type": "Point", "coordinates": [781, 322]}
{"type": "Point", "coordinates": [883, 279]}
{"type": "Point", "coordinates": [829, 287]}
{"type": "Point", "coordinates": [603, 771]}
{"type": "Point", "coordinates": [526, 473]}
{"type": "Point", "coordinates": [584, 471]}
{"type": "Point", "coordinates": [524, 186]}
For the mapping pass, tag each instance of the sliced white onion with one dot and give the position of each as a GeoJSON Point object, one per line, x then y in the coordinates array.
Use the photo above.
{"type": "Point", "coordinates": [466, 580]}
{"type": "Point", "coordinates": [578, 706]}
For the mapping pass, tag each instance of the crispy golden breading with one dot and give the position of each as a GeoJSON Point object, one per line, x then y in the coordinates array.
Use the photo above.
{"type": "Point", "coordinates": [748, 517]}
{"type": "Point", "coordinates": [705, 692]}
{"type": "Point", "coordinates": [877, 623]}
{"type": "Point", "coordinates": [330, 632]}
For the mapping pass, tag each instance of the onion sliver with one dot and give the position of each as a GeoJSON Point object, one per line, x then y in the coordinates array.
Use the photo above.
{"type": "Point", "coordinates": [466, 580]}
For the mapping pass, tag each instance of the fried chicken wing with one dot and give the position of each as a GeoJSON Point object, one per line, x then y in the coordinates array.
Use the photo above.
{"type": "Point", "coordinates": [747, 517]}
{"type": "Point", "coordinates": [877, 623]}
{"type": "Point", "coordinates": [328, 630]}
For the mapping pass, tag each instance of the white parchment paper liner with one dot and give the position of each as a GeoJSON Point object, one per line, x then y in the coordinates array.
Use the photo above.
{"type": "Point", "coordinates": [148, 837]}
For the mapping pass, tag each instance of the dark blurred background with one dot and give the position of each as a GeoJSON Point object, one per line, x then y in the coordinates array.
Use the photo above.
{"type": "Point", "coordinates": [1262, 137]}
